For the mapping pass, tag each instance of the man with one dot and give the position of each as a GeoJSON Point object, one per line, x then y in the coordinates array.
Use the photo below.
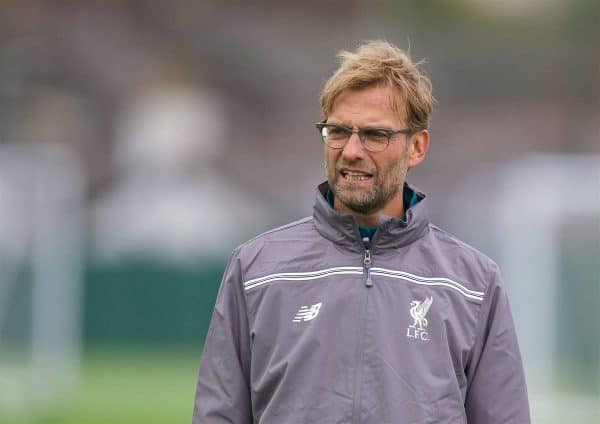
{"type": "Point", "coordinates": [365, 312]}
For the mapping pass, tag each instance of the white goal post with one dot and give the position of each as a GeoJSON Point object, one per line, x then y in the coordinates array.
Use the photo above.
{"type": "Point", "coordinates": [41, 252]}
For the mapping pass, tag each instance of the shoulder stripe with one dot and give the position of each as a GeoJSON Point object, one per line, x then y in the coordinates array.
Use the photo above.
{"type": "Point", "coordinates": [311, 275]}
{"type": "Point", "coordinates": [355, 270]}
{"type": "Point", "coordinates": [428, 281]}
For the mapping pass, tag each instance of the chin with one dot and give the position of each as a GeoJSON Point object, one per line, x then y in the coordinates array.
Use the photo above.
{"type": "Point", "coordinates": [363, 205]}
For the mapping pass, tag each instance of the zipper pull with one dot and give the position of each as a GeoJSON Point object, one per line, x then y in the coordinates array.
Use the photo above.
{"type": "Point", "coordinates": [367, 263]}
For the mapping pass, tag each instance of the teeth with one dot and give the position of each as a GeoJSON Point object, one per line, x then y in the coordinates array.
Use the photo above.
{"type": "Point", "coordinates": [356, 176]}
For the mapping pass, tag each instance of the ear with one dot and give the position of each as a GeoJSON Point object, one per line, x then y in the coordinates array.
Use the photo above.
{"type": "Point", "coordinates": [417, 149]}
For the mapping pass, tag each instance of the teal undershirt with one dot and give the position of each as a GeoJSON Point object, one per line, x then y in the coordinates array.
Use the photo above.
{"type": "Point", "coordinates": [409, 198]}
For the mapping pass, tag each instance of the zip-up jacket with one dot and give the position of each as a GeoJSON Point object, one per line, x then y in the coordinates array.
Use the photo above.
{"type": "Point", "coordinates": [313, 324]}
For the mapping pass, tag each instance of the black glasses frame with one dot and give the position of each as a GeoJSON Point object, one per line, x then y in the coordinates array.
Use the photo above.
{"type": "Point", "coordinates": [361, 134]}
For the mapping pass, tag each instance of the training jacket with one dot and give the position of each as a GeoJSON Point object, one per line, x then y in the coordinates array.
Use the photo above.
{"type": "Point", "coordinates": [314, 325]}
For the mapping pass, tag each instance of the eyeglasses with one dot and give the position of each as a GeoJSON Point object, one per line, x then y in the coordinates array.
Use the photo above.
{"type": "Point", "coordinates": [336, 136]}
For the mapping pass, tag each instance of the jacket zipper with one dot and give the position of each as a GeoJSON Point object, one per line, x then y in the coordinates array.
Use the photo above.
{"type": "Point", "coordinates": [359, 359]}
{"type": "Point", "coordinates": [367, 262]}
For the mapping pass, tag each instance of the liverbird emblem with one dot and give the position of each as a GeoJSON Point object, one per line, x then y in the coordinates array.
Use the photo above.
{"type": "Point", "coordinates": [418, 311]}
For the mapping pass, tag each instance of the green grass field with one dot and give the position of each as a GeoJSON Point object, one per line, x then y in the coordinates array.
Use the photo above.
{"type": "Point", "coordinates": [129, 386]}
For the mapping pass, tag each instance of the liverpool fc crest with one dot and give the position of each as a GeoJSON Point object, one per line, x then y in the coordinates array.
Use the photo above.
{"type": "Point", "coordinates": [418, 312]}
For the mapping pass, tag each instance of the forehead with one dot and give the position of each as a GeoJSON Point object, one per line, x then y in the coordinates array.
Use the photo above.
{"type": "Point", "coordinates": [373, 105]}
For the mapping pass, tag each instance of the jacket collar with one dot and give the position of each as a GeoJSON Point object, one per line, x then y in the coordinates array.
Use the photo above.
{"type": "Point", "coordinates": [342, 229]}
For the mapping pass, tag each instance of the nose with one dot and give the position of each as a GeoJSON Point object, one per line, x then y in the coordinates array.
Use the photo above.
{"type": "Point", "coordinates": [353, 150]}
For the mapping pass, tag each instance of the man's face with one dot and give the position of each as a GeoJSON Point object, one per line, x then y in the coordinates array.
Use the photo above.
{"type": "Point", "coordinates": [366, 182]}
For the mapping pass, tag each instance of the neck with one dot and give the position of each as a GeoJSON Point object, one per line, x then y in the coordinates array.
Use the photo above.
{"type": "Point", "coordinates": [394, 208]}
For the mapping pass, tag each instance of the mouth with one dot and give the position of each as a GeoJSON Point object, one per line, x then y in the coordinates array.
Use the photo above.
{"type": "Point", "coordinates": [355, 175]}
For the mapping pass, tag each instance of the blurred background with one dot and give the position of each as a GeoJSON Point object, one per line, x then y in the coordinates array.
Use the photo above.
{"type": "Point", "coordinates": [140, 142]}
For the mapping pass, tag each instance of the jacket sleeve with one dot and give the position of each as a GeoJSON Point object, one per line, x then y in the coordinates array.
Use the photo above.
{"type": "Point", "coordinates": [223, 390]}
{"type": "Point", "coordinates": [496, 382]}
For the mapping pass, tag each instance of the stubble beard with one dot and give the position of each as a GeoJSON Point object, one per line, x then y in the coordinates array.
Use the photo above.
{"type": "Point", "coordinates": [367, 203]}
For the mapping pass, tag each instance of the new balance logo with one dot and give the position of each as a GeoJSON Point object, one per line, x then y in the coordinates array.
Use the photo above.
{"type": "Point", "coordinates": [306, 314]}
{"type": "Point", "coordinates": [418, 311]}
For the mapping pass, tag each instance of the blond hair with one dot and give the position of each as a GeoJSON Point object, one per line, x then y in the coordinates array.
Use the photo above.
{"type": "Point", "coordinates": [379, 62]}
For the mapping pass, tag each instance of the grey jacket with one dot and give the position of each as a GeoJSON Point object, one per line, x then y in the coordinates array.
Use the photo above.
{"type": "Point", "coordinates": [312, 325]}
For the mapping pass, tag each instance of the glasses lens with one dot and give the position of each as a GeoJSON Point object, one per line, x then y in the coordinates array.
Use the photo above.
{"type": "Point", "coordinates": [335, 136]}
{"type": "Point", "coordinates": [375, 140]}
